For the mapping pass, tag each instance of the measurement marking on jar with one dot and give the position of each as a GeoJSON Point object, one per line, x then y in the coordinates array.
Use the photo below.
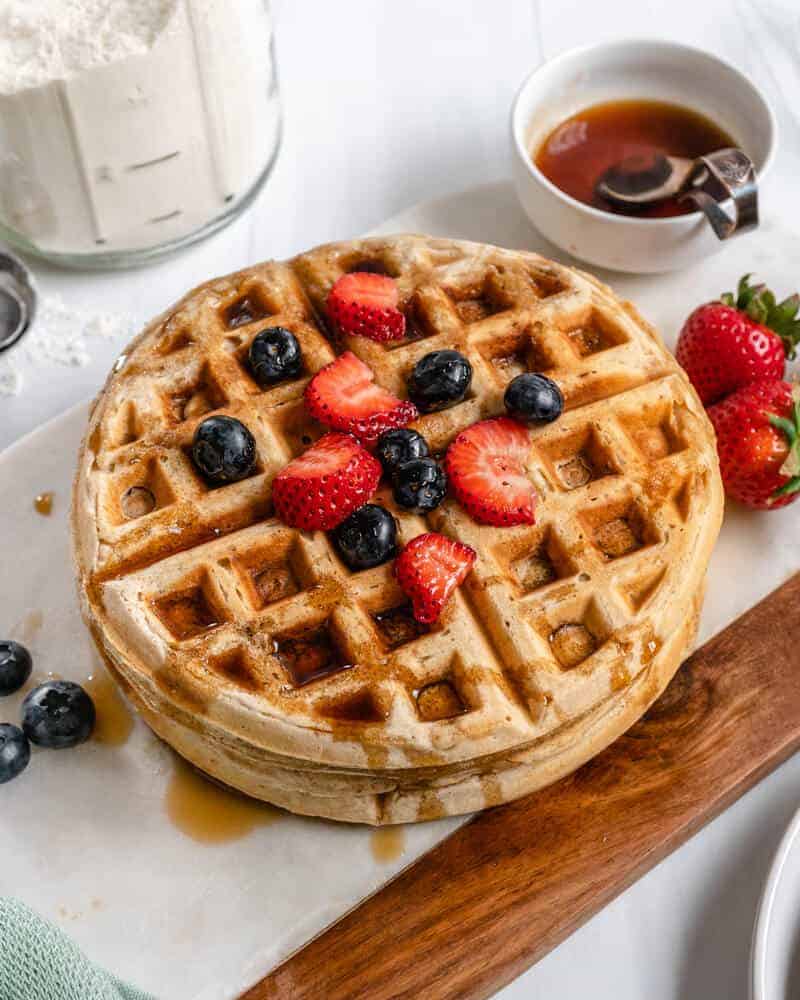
{"type": "Point", "coordinates": [155, 162]}
{"type": "Point", "coordinates": [169, 215]}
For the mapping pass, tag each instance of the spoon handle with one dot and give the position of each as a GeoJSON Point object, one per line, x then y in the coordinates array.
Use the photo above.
{"type": "Point", "coordinates": [727, 175]}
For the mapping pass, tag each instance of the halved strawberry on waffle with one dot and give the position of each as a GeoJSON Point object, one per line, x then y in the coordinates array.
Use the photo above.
{"type": "Point", "coordinates": [323, 486]}
{"type": "Point", "coordinates": [429, 569]}
{"type": "Point", "coordinates": [365, 305]}
{"type": "Point", "coordinates": [486, 469]}
{"type": "Point", "coordinates": [344, 395]}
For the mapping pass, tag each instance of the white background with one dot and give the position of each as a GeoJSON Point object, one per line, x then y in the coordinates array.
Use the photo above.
{"type": "Point", "coordinates": [389, 103]}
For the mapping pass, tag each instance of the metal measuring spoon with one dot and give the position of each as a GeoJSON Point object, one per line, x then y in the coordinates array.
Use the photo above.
{"type": "Point", "coordinates": [709, 182]}
{"type": "Point", "coordinates": [18, 297]}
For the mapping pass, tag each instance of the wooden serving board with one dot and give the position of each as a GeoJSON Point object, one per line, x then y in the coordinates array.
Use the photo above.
{"type": "Point", "coordinates": [499, 893]}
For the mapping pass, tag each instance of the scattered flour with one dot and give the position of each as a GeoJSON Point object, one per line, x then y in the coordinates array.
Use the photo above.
{"type": "Point", "coordinates": [10, 378]}
{"type": "Point", "coordinates": [63, 335]}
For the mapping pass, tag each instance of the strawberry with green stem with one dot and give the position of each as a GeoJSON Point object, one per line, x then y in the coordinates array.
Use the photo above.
{"type": "Point", "coordinates": [729, 343]}
{"type": "Point", "coordinates": [758, 441]}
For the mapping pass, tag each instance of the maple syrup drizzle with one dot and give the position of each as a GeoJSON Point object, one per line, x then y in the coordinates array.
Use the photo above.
{"type": "Point", "coordinates": [114, 721]}
{"type": "Point", "coordinates": [210, 814]}
{"type": "Point", "coordinates": [388, 843]}
{"type": "Point", "coordinates": [43, 503]}
{"type": "Point", "coordinates": [580, 149]}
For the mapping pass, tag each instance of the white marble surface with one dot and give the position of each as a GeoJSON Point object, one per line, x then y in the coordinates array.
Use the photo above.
{"type": "Point", "coordinates": [388, 104]}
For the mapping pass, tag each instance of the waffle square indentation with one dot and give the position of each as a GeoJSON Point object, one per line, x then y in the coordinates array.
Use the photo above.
{"type": "Point", "coordinates": [190, 611]}
{"type": "Point", "coordinates": [517, 352]}
{"type": "Point", "coordinates": [655, 433]}
{"type": "Point", "coordinates": [619, 528]}
{"type": "Point", "coordinates": [579, 458]}
{"type": "Point", "coordinates": [271, 572]}
{"type": "Point", "coordinates": [247, 308]}
{"type": "Point", "coordinates": [439, 700]}
{"type": "Point", "coordinates": [195, 398]}
{"type": "Point", "coordinates": [598, 333]}
{"type": "Point", "coordinates": [235, 666]}
{"type": "Point", "coordinates": [546, 562]}
{"type": "Point", "coordinates": [397, 626]}
{"type": "Point", "coordinates": [310, 655]}
{"type": "Point", "coordinates": [140, 489]}
{"type": "Point", "coordinates": [578, 635]}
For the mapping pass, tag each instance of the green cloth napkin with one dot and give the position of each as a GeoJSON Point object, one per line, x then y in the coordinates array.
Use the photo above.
{"type": "Point", "coordinates": [39, 962]}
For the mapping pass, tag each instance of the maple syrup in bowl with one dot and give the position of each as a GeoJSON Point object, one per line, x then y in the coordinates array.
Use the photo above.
{"type": "Point", "coordinates": [579, 151]}
{"type": "Point", "coordinates": [590, 107]}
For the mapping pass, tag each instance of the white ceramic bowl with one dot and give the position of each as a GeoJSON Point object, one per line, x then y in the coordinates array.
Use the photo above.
{"type": "Point", "coordinates": [636, 68]}
{"type": "Point", "coordinates": [775, 968]}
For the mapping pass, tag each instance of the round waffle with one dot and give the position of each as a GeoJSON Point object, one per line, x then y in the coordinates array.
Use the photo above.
{"type": "Point", "coordinates": [260, 657]}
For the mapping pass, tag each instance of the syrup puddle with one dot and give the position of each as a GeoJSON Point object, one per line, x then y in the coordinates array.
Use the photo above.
{"type": "Point", "coordinates": [114, 719]}
{"type": "Point", "coordinates": [209, 813]}
{"type": "Point", "coordinates": [43, 504]}
{"type": "Point", "coordinates": [388, 843]}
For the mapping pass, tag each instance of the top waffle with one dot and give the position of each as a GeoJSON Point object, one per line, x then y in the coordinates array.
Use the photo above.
{"type": "Point", "coordinates": [257, 639]}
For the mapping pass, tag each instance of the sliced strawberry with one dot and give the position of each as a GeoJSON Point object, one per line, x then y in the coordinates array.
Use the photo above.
{"type": "Point", "coordinates": [365, 304]}
{"type": "Point", "coordinates": [429, 569]}
{"type": "Point", "coordinates": [344, 396]}
{"type": "Point", "coordinates": [486, 469]}
{"type": "Point", "coordinates": [325, 484]}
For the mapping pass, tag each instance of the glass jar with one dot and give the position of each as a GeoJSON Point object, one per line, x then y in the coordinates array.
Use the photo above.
{"type": "Point", "coordinates": [126, 140]}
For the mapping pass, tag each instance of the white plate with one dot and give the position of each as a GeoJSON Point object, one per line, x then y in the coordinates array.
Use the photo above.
{"type": "Point", "coordinates": [776, 939]}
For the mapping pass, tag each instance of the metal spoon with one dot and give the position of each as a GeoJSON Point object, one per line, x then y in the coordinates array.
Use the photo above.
{"type": "Point", "coordinates": [18, 298]}
{"type": "Point", "coordinates": [645, 179]}
{"type": "Point", "coordinates": [709, 181]}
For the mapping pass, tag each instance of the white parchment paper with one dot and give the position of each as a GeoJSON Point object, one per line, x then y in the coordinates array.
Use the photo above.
{"type": "Point", "coordinates": [84, 835]}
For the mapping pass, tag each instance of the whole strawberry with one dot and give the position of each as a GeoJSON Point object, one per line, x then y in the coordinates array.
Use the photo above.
{"type": "Point", "coordinates": [758, 440]}
{"type": "Point", "coordinates": [727, 344]}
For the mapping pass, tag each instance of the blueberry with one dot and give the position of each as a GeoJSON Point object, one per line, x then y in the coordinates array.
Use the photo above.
{"type": "Point", "coordinates": [275, 356]}
{"type": "Point", "coordinates": [439, 379]}
{"type": "Point", "coordinates": [224, 450]}
{"type": "Point", "coordinates": [15, 752]}
{"type": "Point", "coordinates": [398, 446]}
{"type": "Point", "coordinates": [367, 538]}
{"type": "Point", "coordinates": [15, 666]}
{"type": "Point", "coordinates": [58, 714]}
{"type": "Point", "coordinates": [419, 485]}
{"type": "Point", "coordinates": [534, 399]}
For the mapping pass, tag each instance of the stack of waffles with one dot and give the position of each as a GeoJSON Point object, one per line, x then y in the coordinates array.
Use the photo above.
{"type": "Point", "coordinates": [260, 657]}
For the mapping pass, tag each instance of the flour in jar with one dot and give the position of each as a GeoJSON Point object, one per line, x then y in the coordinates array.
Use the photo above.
{"type": "Point", "coordinates": [128, 124]}
{"type": "Point", "coordinates": [44, 40]}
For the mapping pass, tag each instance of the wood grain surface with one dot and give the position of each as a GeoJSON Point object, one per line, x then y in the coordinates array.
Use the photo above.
{"type": "Point", "coordinates": [498, 894]}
